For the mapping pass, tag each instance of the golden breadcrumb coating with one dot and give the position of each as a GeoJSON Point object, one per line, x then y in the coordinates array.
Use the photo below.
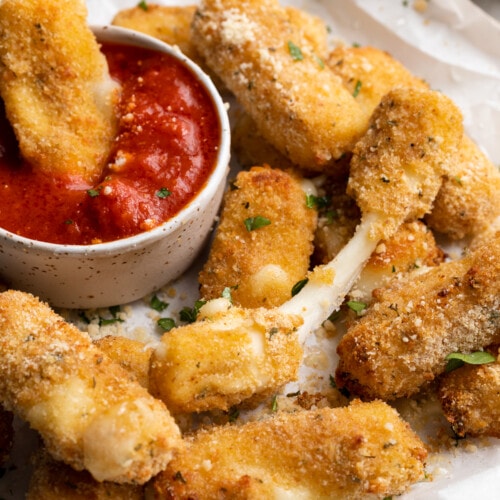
{"type": "Point", "coordinates": [260, 265]}
{"type": "Point", "coordinates": [227, 356]}
{"type": "Point", "coordinates": [6, 434]}
{"type": "Point", "coordinates": [130, 354]}
{"type": "Point", "coordinates": [469, 200]}
{"type": "Point", "coordinates": [470, 398]}
{"type": "Point", "coordinates": [53, 480]}
{"type": "Point", "coordinates": [360, 451]}
{"type": "Point", "coordinates": [269, 63]}
{"type": "Point", "coordinates": [55, 83]}
{"type": "Point", "coordinates": [89, 411]}
{"type": "Point", "coordinates": [397, 166]}
{"type": "Point", "coordinates": [369, 73]}
{"type": "Point", "coordinates": [403, 340]}
{"type": "Point", "coordinates": [411, 249]}
{"type": "Point", "coordinates": [171, 24]}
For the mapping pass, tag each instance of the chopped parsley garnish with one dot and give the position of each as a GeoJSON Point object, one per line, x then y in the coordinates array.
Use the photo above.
{"type": "Point", "coordinates": [163, 192]}
{"type": "Point", "coordinates": [356, 306]}
{"type": "Point", "coordinates": [318, 202]}
{"type": "Point", "coordinates": [143, 5]}
{"type": "Point", "coordinates": [166, 324]}
{"type": "Point", "coordinates": [298, 286]}
{"type": "Point", "coordinates": [274, 404]}
{"type": "Point", "coordinates": [93, 192]}
{"type": "Point", "coordinates": [295, 51]}
{"type": "Point", "coordinates": [257, 222]}
{"type": "Point", "coordinates": [357, 89]}
{"type": "Point", "coordinates": [188, 314]}
{"type": "Point", "coordinates": [456, 359]}
{"type": "Point", "coordinates": [157, 304]}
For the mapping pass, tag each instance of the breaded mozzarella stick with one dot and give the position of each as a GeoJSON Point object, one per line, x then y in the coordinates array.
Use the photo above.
{"type": "Point", "coordinates": [402, 341]}
{"type": "Point", "coordinates": [270, 64]}
{"type": "Point", "coordinates": [88, 410]}
{"type": "Point", "coordinates": [395, 174]}
{"type": "Point", "coordinates": [58, 94]}
{"type": "Point", "coordinates": [470, 398]}
{"type": "Point", "coordinates": [263, 242]}
{"type": "Point", "coordinates": [228, 355]}
{"type": "Point", "coordinates": [353, 452]}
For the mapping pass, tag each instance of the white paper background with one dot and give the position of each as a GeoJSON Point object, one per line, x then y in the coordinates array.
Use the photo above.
{"type": "Point", "coordinates": [453, 45]}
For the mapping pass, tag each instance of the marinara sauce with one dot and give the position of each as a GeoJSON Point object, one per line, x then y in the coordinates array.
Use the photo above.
{"type": "Point", "coordinates": [165, 150]}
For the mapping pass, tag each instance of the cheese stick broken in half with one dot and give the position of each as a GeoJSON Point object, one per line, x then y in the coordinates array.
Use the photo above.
{"type": "Point", "coordinates": [90, 413]}
{"type": "Point", "coordinates": [58, 94]}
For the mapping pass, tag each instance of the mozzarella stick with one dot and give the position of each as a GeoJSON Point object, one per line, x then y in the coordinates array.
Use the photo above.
{"type": "Point", "coordinates": [58, 94]}
{"type": "Point", "coordinates": [469, 200]}
{"type": "Point", "coordinates": [403, 340]}
{"type": "Point", "coordinates": [227, 356]}
{"type": "Point", "coordinates": [369, 73]}
{"type": "Point", "coordinates": [270, 64]}
{"type": "Point", "coordinates": [358, 451]}
{"type": "Point", "coordinates": [260, 264]}
{"type": "Point", "coordinates": [53, 480]}
{"type": "Point", "coordinates": [168, 23]}
{"type": "Point", "coordinates": [88, 411]}
{"type": "Point", "coordinates": [470, 398]}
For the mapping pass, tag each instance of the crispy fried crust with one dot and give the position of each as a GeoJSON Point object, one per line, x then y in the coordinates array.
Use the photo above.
{"type": "Point", "coordinates": [131, 354]}
{"type": "Point", "coordinates": [344, 453]}
{"type": "Point", "coordinates": [269, 63]}
{"type": "Point", "coordinates": [88, 410]}
{"type": "Point", "coordinates": [225, 357]}
{"type": "Point", "coordinates": [469, 200]}
{"type": "Point", "coordinates": [171, 24]}
{"type": "Point", "coordinates": [369, 73]}
{"type": "Point", "coordinates": [53, 480]}
{"type": "Point", "coordinates": [397, 166]}
{"type": "Point", "coordinates": [470, 398]}
{"type": "Point", "coordinates": [55, 83]}
{"type": "Point", "coordinates": [403, 340]}
{"type": "Point", "coordinates": [262, 265]}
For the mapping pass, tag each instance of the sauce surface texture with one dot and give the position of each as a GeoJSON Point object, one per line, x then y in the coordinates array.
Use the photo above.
{"type": "Point", "coordinates": [165, 150]}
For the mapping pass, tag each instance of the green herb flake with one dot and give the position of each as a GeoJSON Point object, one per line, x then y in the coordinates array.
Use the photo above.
{"type": "Point", "coordinates": [157, 304]}
{"type": "Point", "coordinates": [166, 324]}
{"type": "Point", "coordinates": [274, 404]}
{"type": "Point", "coordinates": [456, 359]}
{"type": "Point", "coordinates": [298, 286]}
{"type": "Point", "coordinates": [233, 414]}
{"type": "Point", "coordinates": [318, 202]}
{"type": "Point", "coordinates": [357, 88]}
{"type": "Point", "coordinates": [143, 5]}
{"type": "Point", "coordinates": [93, 192]}
{"type": "Point", "coordinates": [333, 384]}
{"type": "Point", "coordinates": [356, 306]}
{"type": "Point", "coordinates": [257, 222]}
{"type": "Point", "coordinates": [163, 192]}
{"type": "Point", "coordinates": [295, 51]}
{"type": "Point", "coordinates": [189, 314]}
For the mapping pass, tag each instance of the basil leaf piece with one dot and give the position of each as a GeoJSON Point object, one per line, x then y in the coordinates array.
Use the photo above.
{"type": "Point", "coordinates": [456, 359]}
{"type": "Point", "coordinates": [157, 304]}
{"type": "Point", "coordinates": [356, 306]}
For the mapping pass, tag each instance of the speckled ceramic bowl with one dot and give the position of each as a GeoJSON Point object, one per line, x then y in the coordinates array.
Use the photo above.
{"type": "Point", "coordinates": [118, 272]}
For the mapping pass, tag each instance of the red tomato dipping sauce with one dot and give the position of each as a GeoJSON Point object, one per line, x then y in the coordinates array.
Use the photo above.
{"type": "Point", "coordinates": [166, 149]}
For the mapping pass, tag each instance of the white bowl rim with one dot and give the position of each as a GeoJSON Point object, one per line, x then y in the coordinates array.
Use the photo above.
{"type": "Point", "coordinates": [131, 37]}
